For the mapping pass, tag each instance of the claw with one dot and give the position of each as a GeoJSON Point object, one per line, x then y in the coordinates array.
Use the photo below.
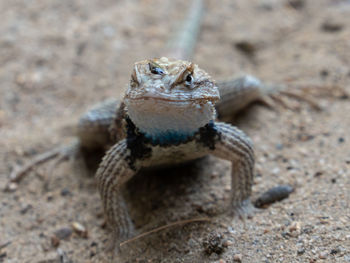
{"type": "Point", "coordinates": [282, 101]}
{"type": "Point", "coordinates": [268, 102]}
{"type": "Point", "coordinates": [243, 211]}
{"type": "Point", "coordinates": [300, 96]}
{"type": "Point", "coordinates": [279, 94]}
{"type": "Point", "coordinates": [334, 91]}
{"type": "Point", "coordinates": [61, 152]}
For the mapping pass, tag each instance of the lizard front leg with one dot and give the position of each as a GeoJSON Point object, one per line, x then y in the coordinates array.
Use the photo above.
{"type": "Point", "coordinates": [114, 171]}
{"type": "Point", "coordinates": [93, 134]}
{"type": "Point", "coordinates": [233, 145]}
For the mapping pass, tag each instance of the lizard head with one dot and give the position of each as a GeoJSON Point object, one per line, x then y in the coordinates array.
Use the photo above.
{"type": "Point", "coordinates": [168, 96]}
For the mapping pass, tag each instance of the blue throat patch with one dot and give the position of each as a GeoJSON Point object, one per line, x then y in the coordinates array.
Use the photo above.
{"type": "Point", "coordinates": [169, 137]}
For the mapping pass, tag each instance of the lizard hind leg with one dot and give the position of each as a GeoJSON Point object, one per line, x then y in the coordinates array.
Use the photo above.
{"type": "Point", "coordinates": [93, 136]}
{"type": "Point", "coordinates": [237, 93]}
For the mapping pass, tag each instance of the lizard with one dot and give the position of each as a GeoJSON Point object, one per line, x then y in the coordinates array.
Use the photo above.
{"type": "Point", "coordinates": [168, 116]}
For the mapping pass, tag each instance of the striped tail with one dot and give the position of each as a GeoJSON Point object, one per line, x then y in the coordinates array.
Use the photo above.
{"type": "Point", "coordinates": [182, 44]}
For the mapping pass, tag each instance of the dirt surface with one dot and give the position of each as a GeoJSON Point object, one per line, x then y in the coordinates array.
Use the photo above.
{"type": "Point", "coordinates": [60, 57]}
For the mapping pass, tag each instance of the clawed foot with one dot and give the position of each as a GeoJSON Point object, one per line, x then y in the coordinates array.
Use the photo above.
{"type": "Point", "coordinates": [243, 210]}
{"type": "Point", "coordinates": [114, 245]}
{"type": "Point", "coordinates": [60, 153]}
{"type": "Point", "coordinates": [278, 95]}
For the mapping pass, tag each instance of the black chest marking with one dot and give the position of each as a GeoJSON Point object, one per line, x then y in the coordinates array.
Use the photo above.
{"type": "Point", "coordinates": [140, 146]}
{"type": "Point", "coordinates": [209, 135]}
{"type": "Point", "coordinates": [137, 144]}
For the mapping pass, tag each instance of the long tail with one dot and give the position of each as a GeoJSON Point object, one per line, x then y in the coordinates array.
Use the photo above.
{"type": "Point", "coordinates": [182, 44]}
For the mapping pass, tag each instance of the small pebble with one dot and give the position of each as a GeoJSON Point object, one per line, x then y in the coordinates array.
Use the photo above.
{"type": "Point", "coordinates": [93, 244]}
{"type": "Point", "coordinates": [92, 254]}
{"type": "Point", "coordinates": [335, 251]}
{"type": "Point", "coordinates": [279, 146]}
{"type": "Point", "coordinates": [324, 73]}
{"type": "Point", "coordinates": [305, 137]}
{"type": "Point", "coordinates": [246, 47]}
{"type": "Point", "coordinates": [324, 221]}
{"type": "Point", "coordinates": [49, 197]}
{"type": "Point", "coordinates": [341, 140]}
{"type": "Point", "coordinates": [228, 243]}
{"type": "Point", "coordinates": [25, 209]}
{"type": "Point", "coordinates": [301, 251]}
{"type": "Point", "coordinates": [297, 4]}
{"type": "Point", "coordinates": [323, 255]}
{"type": "Point", "coordinates": [80, 48]}
{"type": "Point", "coordinates": [80, 229]}
{"type": "Point", "coordinates": [65, 192]}
{"type": "Point", "coordinates": [63, 233]}
{"type": "Point", "coordinates": [318, 174]}
{"type": "Point", "coordinates": [331, 27]}
{"type": "Point", "coordinates": [55, 241]}
{"type": "Point", "coordinates": [276, 171]}
{"type": "Point", "coordinates": [11, 187]}
{"type": "Point", "coordinates": [275, 194]}
{"type": "Point", "coordinates": [266, 6]}
{"type": "Point", "coordinates": [295, 226]}
{"type": "Point", "coordinates": [237, 258]}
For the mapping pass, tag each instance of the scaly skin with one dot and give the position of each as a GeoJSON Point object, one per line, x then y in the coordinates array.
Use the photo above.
{"type": "Point", "coordinates": [168, 116]}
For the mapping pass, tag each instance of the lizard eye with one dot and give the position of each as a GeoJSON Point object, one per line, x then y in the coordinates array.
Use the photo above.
{"type": "Point", "coordinates": [189, 80]}
{"type": "Point", "coordinates": [155, 68]}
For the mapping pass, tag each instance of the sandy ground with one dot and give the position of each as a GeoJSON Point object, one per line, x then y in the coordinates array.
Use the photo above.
{"type": "Point", "coordinates": [59, 57]}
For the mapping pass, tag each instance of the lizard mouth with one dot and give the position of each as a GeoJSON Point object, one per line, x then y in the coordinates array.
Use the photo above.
{"type": "Point", "coordinates": [176, 100]}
